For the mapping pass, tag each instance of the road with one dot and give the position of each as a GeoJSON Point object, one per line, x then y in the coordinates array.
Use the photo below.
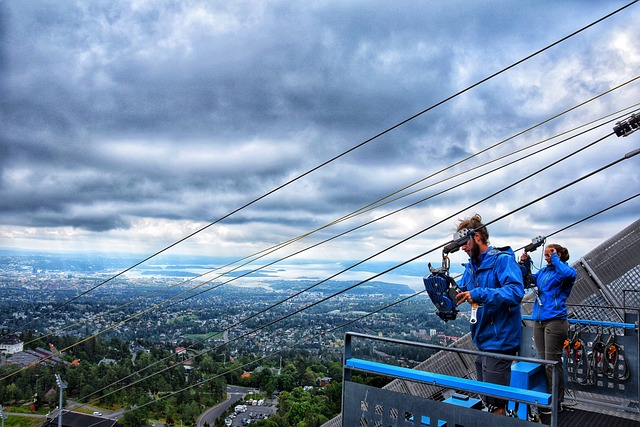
{"type": "Point", "coordinates": [71, 405]}
{"type": "Point", "coordinates": [24, 414]}
{"type": "Point", "coordinates": [234, 394]}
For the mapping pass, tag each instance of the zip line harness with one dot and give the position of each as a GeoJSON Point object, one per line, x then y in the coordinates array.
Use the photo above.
{"type": "Point", "coordinates": [615, 365]}
{"type": "Point", "coordinates": [605, 358]}
{"type": "Point", "coordinates": [575, 351]}
{"type": "Point", "coordinates": [441, 287]}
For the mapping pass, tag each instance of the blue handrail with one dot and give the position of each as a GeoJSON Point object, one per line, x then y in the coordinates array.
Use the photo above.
{"type": "Point", "coordinates": [440, 380]}
{"type": "Point", "coordinates": [595, 323]}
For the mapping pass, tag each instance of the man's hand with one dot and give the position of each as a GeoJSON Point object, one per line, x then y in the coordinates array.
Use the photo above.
{"type": "Point", "coordinates": [464, 297]}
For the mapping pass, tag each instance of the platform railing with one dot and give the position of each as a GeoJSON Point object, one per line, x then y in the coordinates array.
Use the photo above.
{"type": "Point", "coordinates": [618, 389]}
{"type": "Point", "coordinates": [368, 406]}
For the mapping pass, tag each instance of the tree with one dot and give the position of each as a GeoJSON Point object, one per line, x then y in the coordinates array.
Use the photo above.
{"type": "Point", "coordinates": [190, 413]}
{"type": "Point", "coordinates": [286, 382]}
{"type": "Point", "coordinates": [269, 386]}
{"type": "Point", "coordinates": [309, 377]}
{"type": "Point", "coordinates": [133, 419]}
{"type": "Point", "coordinates": [13, 392]}
{"type": "Point", "coordinates": [267, 423]}
{"type": "Point", "coordinates": [298, 412]}
{"type": "Point", "coordinates": [170, 411]}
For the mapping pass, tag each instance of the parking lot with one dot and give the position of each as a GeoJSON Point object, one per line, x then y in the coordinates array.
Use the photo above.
{"type": "Point", "coordinates": [253, 413]}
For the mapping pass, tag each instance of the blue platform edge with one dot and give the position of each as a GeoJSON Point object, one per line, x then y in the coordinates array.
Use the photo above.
{"type": "Point", "coordinates": [480, 387]}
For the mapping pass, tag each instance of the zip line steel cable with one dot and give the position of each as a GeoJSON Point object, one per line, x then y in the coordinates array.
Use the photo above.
{"type": "Point", "coordinates": [368, 314]}
{"type": "Point", "coordinates": [157, 305]}
{"type": "Point", "coordinates": [627, 156]}
{"type": "Point", "coordinates": [397, 244]}
{"type": "Point", "coordinates": [495, 160]}
{"type": "Point", "coordinates": [382, 217]}
{"type": "Point", "coordinates": [404, 299]}
{"type": "Point", "coordinates": [325, 332]}
{"type": "Point", "coordinates": [332, 238]}
{"type": "Point", "coordinates": [621, 202]}
{"type": "Point", "coordinates": [353, 214]}
{"type": "Point", "coordinates": [555, 162]}
{"type": "Point", "coordinates": [502, 142]}
{"type": "Point", "coordinates": [377, 203]}
{"type": "Point", "coordinates": [363, 210]}
{"type": "Point", "coordinates": [371, 206]}
{"type": "Point", "coordinates": [234, 325]}
{"type": "Point", "coordinates": [353, 148]}
{"type": "Point", "coordinates": [460, 184]}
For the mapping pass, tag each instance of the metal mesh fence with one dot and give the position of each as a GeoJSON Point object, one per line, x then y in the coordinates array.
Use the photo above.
{"type": "Point", "coordinates": [609, 275]}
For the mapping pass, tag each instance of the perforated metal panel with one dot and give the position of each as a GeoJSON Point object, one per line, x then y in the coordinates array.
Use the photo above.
{"type": "Point", "coordinates": [586, 375]}
{"type": "Point", "coordinates": [609, 275]}
{"type": "Point", "coordinates": [367, 406]}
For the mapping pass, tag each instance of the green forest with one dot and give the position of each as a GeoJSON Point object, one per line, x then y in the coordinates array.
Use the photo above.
{"type": "Point", "coordinates": [151, 384]}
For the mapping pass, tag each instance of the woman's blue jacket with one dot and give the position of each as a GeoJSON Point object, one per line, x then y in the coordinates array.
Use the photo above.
{"type": "Point", "coordinates": [554, 286]}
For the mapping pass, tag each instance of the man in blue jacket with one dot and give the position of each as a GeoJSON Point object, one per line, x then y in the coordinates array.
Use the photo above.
{"type": "Point", "coordinates": [492, 282]}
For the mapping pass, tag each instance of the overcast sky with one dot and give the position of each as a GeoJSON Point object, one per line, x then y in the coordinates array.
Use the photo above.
{"type": "Point", "coordinates": [127, 125]}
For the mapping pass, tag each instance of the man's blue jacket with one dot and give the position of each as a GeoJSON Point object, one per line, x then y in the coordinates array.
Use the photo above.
{"type": "Point", "coordinates": [554, 286]}
{"type": "Point", "coordinates": [496, 283]}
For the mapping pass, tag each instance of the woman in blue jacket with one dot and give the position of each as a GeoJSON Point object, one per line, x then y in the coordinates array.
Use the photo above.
{"type": "Point", "coordinates": [551, 328]}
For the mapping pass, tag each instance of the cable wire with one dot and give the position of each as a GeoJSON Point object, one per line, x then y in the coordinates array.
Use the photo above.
{"type": "Point", "coordinates": [325, 332]}
{"type": "Point", "coordinates": [325, 241]}
{"type": "Point", "coordinates": [629, 155]}
{"type": "Point", "coordinates": [157, 305]}
{"type": "Point", "coordinates": [344, 153]}
{"type": "Point", "coordinates": [372, 206]}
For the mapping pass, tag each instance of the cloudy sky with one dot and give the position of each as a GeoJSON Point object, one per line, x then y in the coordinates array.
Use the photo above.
{"type": "Point", "coordinates": [128, 125]}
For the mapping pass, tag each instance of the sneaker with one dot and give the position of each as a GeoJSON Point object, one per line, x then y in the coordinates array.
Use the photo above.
{"type": "Point", "coordinates": [498, 411]}
{"type": "Point", "coordinates": [549, 411]}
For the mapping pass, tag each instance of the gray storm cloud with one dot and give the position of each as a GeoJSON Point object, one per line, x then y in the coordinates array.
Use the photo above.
{"type": "Point", "coordinates": [116, 112]}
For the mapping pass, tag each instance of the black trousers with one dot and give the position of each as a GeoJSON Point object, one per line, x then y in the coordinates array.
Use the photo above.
{"type": "Point", "coordinates": [549, 336]}
{"type": "Point", "coordinates": [496, 371]}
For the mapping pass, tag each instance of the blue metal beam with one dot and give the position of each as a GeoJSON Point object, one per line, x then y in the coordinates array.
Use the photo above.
{"type": "Point", "coordinates": [506, 392]}
{"type": "Point", "coordinates": [594, 323]}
